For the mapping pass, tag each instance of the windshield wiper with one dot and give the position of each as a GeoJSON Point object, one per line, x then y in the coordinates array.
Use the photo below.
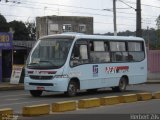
{"type": "Point", "coordinates": [40, 65]}
{"type": "Point", "coordinates": [32, 64]}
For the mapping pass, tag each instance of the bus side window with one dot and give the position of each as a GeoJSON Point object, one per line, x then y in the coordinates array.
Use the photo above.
{"type": "Point", "coordinates": [106, 46]}
{"type": "Point", "coordinates": [79, 55]}
{"type": "Point", "coordinates": [91, 46]}
{"type": "Point", "coordinates": [76, 52]}
{"type": "Point", "coordinates": [83, 52]}
{"type": "Point", "coordinates": [75, 56]}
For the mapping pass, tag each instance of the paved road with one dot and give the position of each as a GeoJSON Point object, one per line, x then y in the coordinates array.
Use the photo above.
{"type": "Point", "coordinates": [146, 110]}
{"type": "Point", "coordinates": [19, 98]}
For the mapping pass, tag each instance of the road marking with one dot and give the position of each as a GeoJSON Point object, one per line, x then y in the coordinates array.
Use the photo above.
{"type": "Point", "coordinates": [14, 99]}
{"type": "Point", "coordinates": [10, 104]}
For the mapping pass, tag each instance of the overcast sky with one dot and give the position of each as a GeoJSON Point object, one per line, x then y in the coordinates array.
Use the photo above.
{"type": "Point", "coordinates": [28, 10]}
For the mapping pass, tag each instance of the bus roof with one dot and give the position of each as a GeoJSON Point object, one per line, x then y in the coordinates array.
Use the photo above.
{"type": "Point", "coordinates": [102, 37]}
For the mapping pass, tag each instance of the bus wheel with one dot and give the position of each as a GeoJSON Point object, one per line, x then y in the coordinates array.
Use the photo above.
{"type": "Point", "coordinates": [72, 89]}
{"type": "Point", "coordinates": [122, 85]}
{"type": "Point", "coordinates": [35, 93]}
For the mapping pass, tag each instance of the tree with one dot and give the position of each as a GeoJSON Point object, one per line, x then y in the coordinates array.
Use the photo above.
{"type": "Point", "coordinates": [158, 22]}
{"type": "Point", "coordinates": [158, 31]}
{"type": "Point", "coordinates": [3, 24]}
{"type": "Point", "coordinates": [31, 28]}
{"type": "Point", "coordinates": [20, 30]}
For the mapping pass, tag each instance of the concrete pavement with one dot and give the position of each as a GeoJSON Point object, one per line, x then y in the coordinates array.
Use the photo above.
{"type": "Point", "coordinates": [7, 86]}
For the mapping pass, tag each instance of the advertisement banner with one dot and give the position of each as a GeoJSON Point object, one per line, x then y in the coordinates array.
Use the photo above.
{"type": "Point", "coordinates": [6, 40]}
{"type": "Point", "coordinates": [16, 74]}
{"type": "Point", "coordinates": [0, 65]}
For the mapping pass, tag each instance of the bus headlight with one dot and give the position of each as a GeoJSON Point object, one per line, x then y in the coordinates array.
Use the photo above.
{"type": "Point", "coordinates": [26, 73]}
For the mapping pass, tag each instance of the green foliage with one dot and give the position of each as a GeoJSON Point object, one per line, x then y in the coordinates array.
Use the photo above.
{"type": "Point", "coordinates": [3, 24]}
{"type": "Point", "coordinates": [31, 28]}
{"type": "Point", "coordinates": [151, 35]}
{"type": "Point", "coordinates": [158, 31]}
{"type": "Point", "coordinates": [158, 38]}
{"type": "Point", "coordinates": [20, 30]}
{"type": "Point", "coordinates": [158, 22]}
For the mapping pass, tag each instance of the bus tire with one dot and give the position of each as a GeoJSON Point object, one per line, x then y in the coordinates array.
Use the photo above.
{"type": "Point", "coordinates": [122, 85]}
{"type": "Point", "coordinates": [72, 89]}
{"type": "Point", "coordinates": [36, 93]}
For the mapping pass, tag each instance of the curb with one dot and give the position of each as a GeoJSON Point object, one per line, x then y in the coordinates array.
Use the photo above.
{"type": "Point", "coordinates": [44, 109]}
{"type": "Point", "coordinates": [89, 103]}
{"type": "Point", "coordinates": [144, 96]}
{"type": "Point", "coordinates": [153, 82]}
{"type": "Point", "coordinates": [6, 113]}
{"type": "Point", "coordinates": [128, 98]}
{"type": "Point", "coordinates": [11, 87]}
{"type": "Point", "coordinates": [64, 106]}
{"type": "Point", "coordinates": [111, 100]}
{"type": "Point", "coordinates": [36, 110]}
{"type": "Point", "coordinates": [156, 95]}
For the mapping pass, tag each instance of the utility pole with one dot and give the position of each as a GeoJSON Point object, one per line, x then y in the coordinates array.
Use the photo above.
{"type": "Point", "coordinates": [148, 42]}
{"type": "Point", "coordinates": [114, 18]}
{"type": "Point", "coordinates": [138, 19]}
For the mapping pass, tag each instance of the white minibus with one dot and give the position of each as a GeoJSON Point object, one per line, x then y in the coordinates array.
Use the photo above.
{"type": "Point", "coordinates": [72, 62]}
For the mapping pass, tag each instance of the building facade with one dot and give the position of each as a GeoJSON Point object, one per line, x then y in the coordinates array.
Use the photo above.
{"type": "Point", "coordinates": [58, 24]}
{"type": "Point", "coordinates": [12, 52]}
{"type": "Point", "coordinates": [5, 55]}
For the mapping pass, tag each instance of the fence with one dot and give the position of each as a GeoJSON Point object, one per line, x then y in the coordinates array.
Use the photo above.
{"type": "Point", "coordinates": [154, 61]}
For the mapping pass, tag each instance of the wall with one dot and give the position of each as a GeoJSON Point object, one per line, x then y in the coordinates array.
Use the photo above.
{"type": "Point", "coordinates": [0, 65]}
{"type": "Point", "coordinates": [154, 65]}
{"type": "Point", "coordinates": [43, 24]}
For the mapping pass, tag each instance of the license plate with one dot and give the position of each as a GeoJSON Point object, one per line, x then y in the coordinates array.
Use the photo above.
{"type": "Point", "coordinates": [40, 88]}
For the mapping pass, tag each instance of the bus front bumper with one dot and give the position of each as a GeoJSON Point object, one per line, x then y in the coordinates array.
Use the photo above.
{"type": "Point", "coordinates": [55, 85]}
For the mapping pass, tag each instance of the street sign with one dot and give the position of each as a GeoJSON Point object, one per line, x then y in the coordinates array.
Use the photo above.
{"type": "Point", "coordinates": [5, 40]}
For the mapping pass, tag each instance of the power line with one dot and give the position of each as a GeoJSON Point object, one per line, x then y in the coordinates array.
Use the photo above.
{"type": "Point", "coordinates": [145, 22]}
{"type": "Point", "coordinates": [127, 4]}
{"type": "Point", "coordinates": [94, 22]}
{"type": "Point", "coordinates": [89, 13]}
{"type": "Point", "coordinates": [104, 15]}
{"type": "Point", "coordinates": [71, 6]}
{"type": "Point", "coordinates": [20, 6]}
{"type": "Point", "coordinates": [110, 10]}
{"type": "Point", "coordinates": [143, 4]}
{"type": "Point", "coordinates": [50, 4]}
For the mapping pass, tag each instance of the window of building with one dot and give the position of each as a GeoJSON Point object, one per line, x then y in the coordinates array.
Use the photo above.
{"type": "Point", "coordinates": [67, 28]}
{"type": "Point", "coordinates": [53, 27]}
{"type": "Point", "coordinates": [82, 28]}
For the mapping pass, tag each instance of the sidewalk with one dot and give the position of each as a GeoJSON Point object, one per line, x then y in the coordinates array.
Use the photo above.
{"type": "Point", "coordinates": [153, 81]}
{"type": "Point", "coordinates": [7, 86]}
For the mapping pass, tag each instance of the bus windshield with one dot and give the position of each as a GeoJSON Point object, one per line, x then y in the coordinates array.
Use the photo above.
{"type": "Point", "coordinates": [49, 53]}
